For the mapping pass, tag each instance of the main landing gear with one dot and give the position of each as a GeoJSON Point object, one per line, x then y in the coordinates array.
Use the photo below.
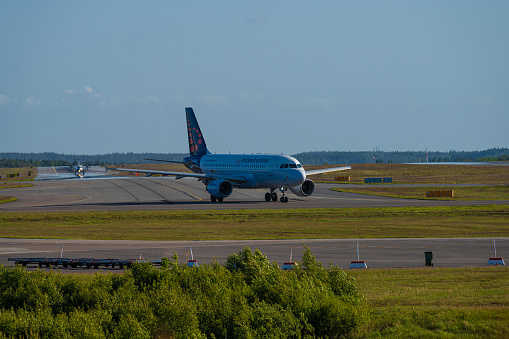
{"type": "Point", "coordinates": [215, 199]}
{"type": "Point", "coordinates": [272, 196]}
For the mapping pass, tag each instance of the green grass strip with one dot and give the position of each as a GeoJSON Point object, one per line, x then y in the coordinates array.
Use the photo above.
{"type": "Point", "coordinates": [16, 186]}
{"type": "Point", "coordinates": [4, 200]}
{"type": "Point", "coordinates": [459, 221]}
{"type": "Point", "coordinates": [462, 302]}
{"type": "Point", "coordinates": [471, 193]}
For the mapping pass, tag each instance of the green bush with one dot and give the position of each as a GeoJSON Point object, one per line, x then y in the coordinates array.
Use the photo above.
{"type": "Point", "coordinates": [249, 297]}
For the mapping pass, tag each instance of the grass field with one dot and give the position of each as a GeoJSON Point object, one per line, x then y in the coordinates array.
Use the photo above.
{"type": "Point", "coordinates": [461, 221]}
{"type": "Point", "coordinates": [471, 193]}
{"type": "Point", "coordinates": [20, 174]}
{"type": "Point", "coordinates": [15, 182]}
{"type": "Point", "coordinates": [436, 302]}
{"type": "Point", "coordinates": [421, 174]}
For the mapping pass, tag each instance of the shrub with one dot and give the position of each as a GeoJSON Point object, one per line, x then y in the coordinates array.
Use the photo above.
{"type": "Point", "coordinates": [249, 297]}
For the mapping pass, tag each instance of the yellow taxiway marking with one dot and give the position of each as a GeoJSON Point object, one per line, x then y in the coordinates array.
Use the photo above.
{"type": "Point", "coordinates": [54, 170]}
{"type": "Point", "coordinates": [61, 203]}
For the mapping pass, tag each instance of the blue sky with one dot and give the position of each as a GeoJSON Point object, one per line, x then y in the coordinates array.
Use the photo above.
{"type": "Point", "coordinates": [94, 77]}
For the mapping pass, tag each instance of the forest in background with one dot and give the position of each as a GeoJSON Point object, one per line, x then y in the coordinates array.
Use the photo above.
{"type": "Point", "coordinates": [307, 158]}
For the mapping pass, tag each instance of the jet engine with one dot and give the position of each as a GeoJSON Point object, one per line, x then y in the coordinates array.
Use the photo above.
{"type": "Point", "coordinates": [220, 188]}
{"type": "Point", "coordinates": [305, 190]}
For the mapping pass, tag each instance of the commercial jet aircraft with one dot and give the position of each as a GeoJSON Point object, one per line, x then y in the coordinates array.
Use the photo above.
{"type": "Point", "coordinates": [79, 169]}
{"type": "Point", "coordinates": [222, 172]}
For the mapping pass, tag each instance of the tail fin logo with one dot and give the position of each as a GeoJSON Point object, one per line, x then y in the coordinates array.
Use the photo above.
{"type": "Point", "coordinates": [197, 144]}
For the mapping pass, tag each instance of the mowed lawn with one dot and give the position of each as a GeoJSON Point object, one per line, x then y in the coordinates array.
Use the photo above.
{"type": "Point", "coordinates": [460, 221]}
{"type": "Point", "coordinates": [470, 193]}
{"type": "Point", "coordinates": [420, 173]}
{"type": "Point", "coordinates": [467, 302]}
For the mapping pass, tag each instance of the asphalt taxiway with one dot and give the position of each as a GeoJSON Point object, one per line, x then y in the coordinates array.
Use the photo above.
{"type": "Point", "coordinates": [57, 190]}
{"type": "Point", "coordinates": [377, 253]}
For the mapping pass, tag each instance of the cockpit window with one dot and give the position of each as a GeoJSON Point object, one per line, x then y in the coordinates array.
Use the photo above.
{"type": "Point", "coordinates": [291, 166]}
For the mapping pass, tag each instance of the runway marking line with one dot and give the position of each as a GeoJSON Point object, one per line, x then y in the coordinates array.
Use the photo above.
{"type": "Point", "coordinates": [182, 191]}
{"type": "Point", "coordinates": [335, 198]}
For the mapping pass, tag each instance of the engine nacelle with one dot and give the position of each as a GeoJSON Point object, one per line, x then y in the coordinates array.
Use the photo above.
{"type": "Point", "coordinates": [220, 188]}
{"type": "Point", "coordinates": [305, 190]}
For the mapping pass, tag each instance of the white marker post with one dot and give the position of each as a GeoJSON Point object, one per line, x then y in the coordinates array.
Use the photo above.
{"type": "Point", "coordinates": [289, 265]}
{"type": "Point", "coordinates": [495, 260]}
{"type": "Point", "coordinates": [191, 262]}
{"type": "Point", "coordinates": [359, 263]}
{"type": "Point", "coordinates": [61, 251]}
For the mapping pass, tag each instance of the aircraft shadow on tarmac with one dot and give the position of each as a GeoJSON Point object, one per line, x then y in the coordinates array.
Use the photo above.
{"type": "Point", "coordinates": [160, 203]}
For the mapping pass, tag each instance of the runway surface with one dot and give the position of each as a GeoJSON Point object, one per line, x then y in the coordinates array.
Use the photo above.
{"type": "Point", "coordinates": [59, 190]}
{"type": "Point", "coordinates": [378, 253]}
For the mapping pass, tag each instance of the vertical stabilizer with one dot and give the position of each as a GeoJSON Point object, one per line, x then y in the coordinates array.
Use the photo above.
{"type": "Point", "coordinates": [197, 144]}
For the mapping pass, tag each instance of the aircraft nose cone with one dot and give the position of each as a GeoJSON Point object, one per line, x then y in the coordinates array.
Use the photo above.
{"type": "Point", "coordinates": [302, 176]}
{"type": "Point", "coordinates": [297, 177]}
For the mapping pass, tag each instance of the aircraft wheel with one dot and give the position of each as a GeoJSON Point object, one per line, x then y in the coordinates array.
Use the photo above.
{"type": "Point", "coordinates": [284, 199]}
{"type": "Point", "coordinates": [268, 197]}
{"type": "Point", "coordinates": [274, 196]}
{"type": "Point", "coordinates": [220, 199]}
{"type": "Point", "coordinates": [213, 198]}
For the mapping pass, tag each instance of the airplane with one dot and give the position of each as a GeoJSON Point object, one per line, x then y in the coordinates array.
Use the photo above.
{"type": "Point", "coordinates": [222, 172]}
{"type": "Point", "coordinates": [78, 169]}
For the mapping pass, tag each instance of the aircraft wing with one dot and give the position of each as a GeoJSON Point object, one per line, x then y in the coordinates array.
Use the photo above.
{"type": "Point", "coordinates": [326, 170]}
{"type": "Point", "coordinates": [172, 161]}
{"type": "Point", "coordinates": [179, 175]}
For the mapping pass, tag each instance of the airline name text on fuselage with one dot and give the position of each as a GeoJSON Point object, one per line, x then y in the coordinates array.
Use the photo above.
{"type": "Point", "coordinates": [254, 160]}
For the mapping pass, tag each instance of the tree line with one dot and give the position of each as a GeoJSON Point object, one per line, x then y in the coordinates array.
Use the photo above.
{"type": "Point", "coordinates": [307, 158]}
{"type": "Point", "coordinates": [56, 159]}
{"type": "Point", "coordinates": [397, 157]}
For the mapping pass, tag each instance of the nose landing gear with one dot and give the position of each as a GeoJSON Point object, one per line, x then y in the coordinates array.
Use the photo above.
{"type": "Point", "coordinates": [284, 198]}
